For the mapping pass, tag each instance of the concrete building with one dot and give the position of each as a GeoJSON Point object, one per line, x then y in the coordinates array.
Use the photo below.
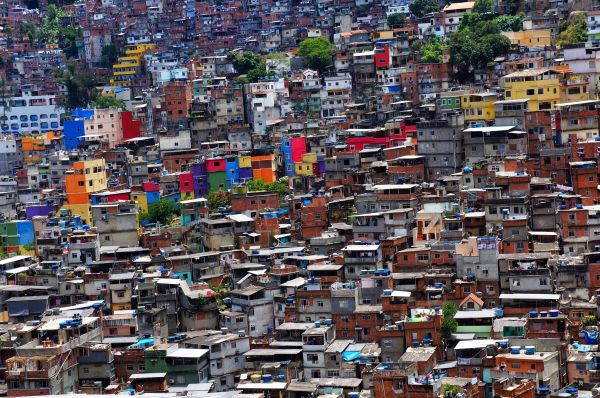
{"type": "Point", "coordinates": [116, 223]}
{"type": "Point", "coordinates": [441, 142]}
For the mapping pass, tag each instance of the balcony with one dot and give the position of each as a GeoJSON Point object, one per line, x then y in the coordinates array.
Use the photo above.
{"type": "Point", "coordinates": [362, 260]}
{"type": "Point", "coordinates": [23, 374]}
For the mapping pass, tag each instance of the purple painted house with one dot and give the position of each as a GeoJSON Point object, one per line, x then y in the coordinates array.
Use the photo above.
{"type": "Point", "coordinates": [38, 210]}
{"type": "Point", "coordinates": [200, 180]}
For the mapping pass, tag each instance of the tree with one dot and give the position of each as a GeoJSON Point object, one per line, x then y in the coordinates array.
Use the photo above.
{"type": "Point", "coordinates": [317, 52]}
{"type": "Point", "coordinates": [574, 31]}
{"type": "Point", "coordinates": [162, 211]}
{"type": "Point", "coordinates": [590, 320]}
{"type": "Point", "coordinates": [79, 82]}
{"type": "Point", "coordinates": [475, 45]}
{"type": "Point", "coordinates": [280, 186]}
{"type": "Point", "coordinates": [244, 62]}
{"type": "Point", "coordinates": [218, 199]}
{"type": "Point", "coordinates": [449, 309]}
{"type": "Point", "coordinates": [396, 20]}
{"type": "Point", "coordinates": [483, 7]}
{"type": "Point", "coordinates": [452, 389]}
{"type": "Point", "coordinates": [449, 326]}
{"type": "Point", "coordinates": [420, 8]}
{"type": "Point", "coordinates": [109, 56]}
{"type": "Point", "coordinates": [105, 102]}
{"type": "Point", "coordinates": [256, 74]}
{"type": "Point", "coordinates": [510, 23]}
{"type": "Point", "coordinates": [432, 52]}
{"type": "Point", "coordinates": [67, 41]}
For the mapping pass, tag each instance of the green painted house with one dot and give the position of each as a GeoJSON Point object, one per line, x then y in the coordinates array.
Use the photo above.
{"type": "Point", "coordinates": [183, 365]}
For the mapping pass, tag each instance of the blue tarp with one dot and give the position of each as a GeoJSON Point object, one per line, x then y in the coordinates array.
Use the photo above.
{"type": "Point", "coordinates": [350, 355]}
{"type": "Point", "coordinates": [591, 337]}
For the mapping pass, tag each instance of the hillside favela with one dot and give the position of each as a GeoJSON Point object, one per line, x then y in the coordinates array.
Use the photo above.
{"type": "Point", "coordinates": [300, 198]}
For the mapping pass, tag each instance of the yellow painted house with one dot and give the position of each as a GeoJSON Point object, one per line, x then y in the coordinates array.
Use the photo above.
{"type": "Point", "coordinates": [128, 66]}
{"type": "Point", "coordinates": [530, 38]}
{"type": "Point", "coordinates": [306, 166]}
{"type": "Point", "coordinates": [141, 201]}
{"type": "Point", "coordinates": [575, 88]}
{"type": "Point", "coordinates": [542, 87]}
{"type": "Point", "coordinates": [479, 108]}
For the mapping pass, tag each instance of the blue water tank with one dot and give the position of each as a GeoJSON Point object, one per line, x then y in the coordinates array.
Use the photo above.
{"type": "Point", "coordinates": [554, 313]}
{"type": "Point", "coordinates": [503, 344]}
{"type": "Point", "coordinates": [415, 343]}
{"type": "Point", "coordinates": [529, 350]}
{"type": "Point", "coordinates": [499, 312]}
{"type": "Point", "coordinates": [267, 378]}
{"type": "Point", "coordinates": [515, 349]}
{"type": "Point", "coordinates": [533, 314]}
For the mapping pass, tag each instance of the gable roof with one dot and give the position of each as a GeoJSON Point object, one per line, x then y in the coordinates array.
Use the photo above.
{"type": "Point", "coordinates": [472, 297]}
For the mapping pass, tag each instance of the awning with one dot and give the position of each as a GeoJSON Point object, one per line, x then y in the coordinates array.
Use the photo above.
{"type": "Point", "coordinates": [349, 356]}
{"type": "Point", "coordinates": [16, 270]}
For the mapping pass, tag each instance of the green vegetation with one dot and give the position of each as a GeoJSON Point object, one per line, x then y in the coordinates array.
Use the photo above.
{"type": "Point", "coordinates": [105, 102]}
{"type": "Point", "coordinates": [449, 326]}
{"type": "Point", "coordinates": [475, 45]}
{"type": "Point", "coordinates": [79, 82]}
{"type": "Point", "coordinates": [452, 389]}
{"type": "Point", "coordinates": [253, 66]}
{"type": "Point", "coordinates": [162, 211]}
{"type": "Point", "coordinates": [244, 62]}
{"type": "Point", "coordinates": [590, 320]}
{"type": "Point", "coordinates": [317, 52]}
{"type": "Point", "coordinates": [420, 8]}
{"type": "Point", "coordinates": [29, 247]}
{"type": "Point", "coordinates": [3, 253]}
{"type": "Point", "coordinates": [396, 20]}
{"type": "Point", "coordinates": [109, 56]}
{"type": "Point", "coordinates": [510, 23]}
{"type": "Point", "coordinates": [483, 7]}
{"type": "Point", "coordinates": [432, 52]}
{"type": "Point", "coordinates": [574, 30]}
{"type": "Point", "coordinates": [218, 199]}
{"type": "Point", "coordinates": [280, 186]}
{"type": "Point", "coordinates": [449, 309]}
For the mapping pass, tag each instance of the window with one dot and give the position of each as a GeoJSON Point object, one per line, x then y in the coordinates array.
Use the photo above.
{"type": "Point", "coordinates": [516, 365]}
{"type": "Point", "coordinates": [320, 303]}
{"type": "Point", "coordinates": [530, 91]}
{"type": "Point", "coordinates": [543, 281]}
{"type": "Point", "coordinates": [333, 373]}
{"type": "Point", "coordinates": [366, 317]}
{"type": "Point", "coordinates": [581, 366]}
